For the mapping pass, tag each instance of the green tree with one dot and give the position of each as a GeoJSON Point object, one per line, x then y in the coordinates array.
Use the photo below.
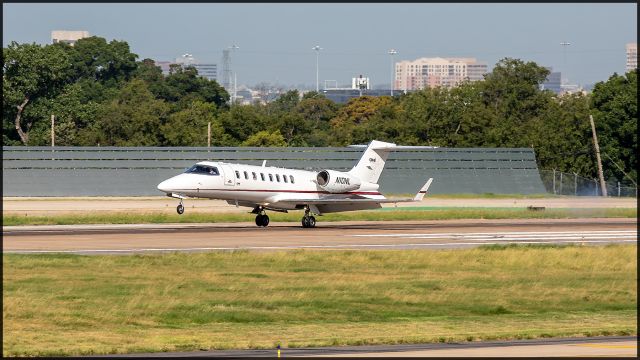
{"type": "Point", "coordinates": [349, 124]}
{"type": "Point", "coordinates": [615, 112]}
{"type": "Point", "coordinates": [512, 91]}
{"type": "Point", "coordinates": [183, 85]}
{"type": "Point", "coordinates": [96, 59]}
{"type": "Point", "coordinates": [133, 118]}
{"type": "Point", "coordinates": [188, 127]}
{"type": "Point", "coordinates": [30, 74]}
{"type": "Point", "coordinates": [561, 136]}
{"type": "Point", "coordinates": [242, 121]}
{"type": "Point", "coordinates": [73, 118]}
{"type": "Point", "coordinates": [265, 139]}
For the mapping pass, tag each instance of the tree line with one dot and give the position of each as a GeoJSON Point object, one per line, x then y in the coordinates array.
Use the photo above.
{"type": "Point", "coordinates": [102, 95]}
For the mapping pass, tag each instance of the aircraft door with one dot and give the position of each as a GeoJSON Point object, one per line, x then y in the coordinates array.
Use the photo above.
{"type": "Point", "coordinates": [229, 177]}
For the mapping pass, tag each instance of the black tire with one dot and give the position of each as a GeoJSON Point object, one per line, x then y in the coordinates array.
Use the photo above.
{"type": "Point", "coordinates": [312, 222]}
{"type": "Point", "coordinates": [265, 220]}
{"type": "Point", "coordinates": [305, 222]}
{"type": "Point", "coordinates": [259, 220]}
{"type": "Point", "coordinates": [180, 209]}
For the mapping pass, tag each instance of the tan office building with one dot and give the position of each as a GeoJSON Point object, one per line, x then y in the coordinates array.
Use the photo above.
{"type": "Point", "coordinates": [433, 72]}
{"type": "Point", "coordinates": [67, 36]}
{"type": "Point", "coordinates": [632, 56]}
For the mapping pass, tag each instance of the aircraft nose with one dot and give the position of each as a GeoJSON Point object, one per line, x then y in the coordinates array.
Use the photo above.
{"type": "Point", "coordinates": [165, 186]}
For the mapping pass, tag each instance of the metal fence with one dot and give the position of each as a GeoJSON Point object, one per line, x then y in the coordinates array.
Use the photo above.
{"type": "Point", "coordinates": [560, 183]}
{"type": "Point", "coordinates": [136, 171]}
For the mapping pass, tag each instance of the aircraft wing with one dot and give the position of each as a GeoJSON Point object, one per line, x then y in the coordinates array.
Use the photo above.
{"type": "Point", "coordinates": [419, 196]}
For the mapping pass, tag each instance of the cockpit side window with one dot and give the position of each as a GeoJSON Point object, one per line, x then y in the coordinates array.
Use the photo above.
{"type": "Point", "coordinates": [203, 169]}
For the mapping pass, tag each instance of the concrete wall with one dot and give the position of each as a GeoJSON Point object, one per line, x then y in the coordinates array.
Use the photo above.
{"type": "Point", "coordinates": [116, 171]}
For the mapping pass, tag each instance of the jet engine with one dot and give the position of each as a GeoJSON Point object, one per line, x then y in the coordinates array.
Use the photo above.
{"type": "Point", "coordinates": [337, 182]}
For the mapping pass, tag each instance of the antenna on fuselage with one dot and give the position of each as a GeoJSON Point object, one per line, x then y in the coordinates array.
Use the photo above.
{"type": "Point", "coordinates": [264, 162]}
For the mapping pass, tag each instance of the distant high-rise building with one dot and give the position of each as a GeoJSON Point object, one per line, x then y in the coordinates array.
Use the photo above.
{"type": "Point", "coordinates": [632, 56]}
{"type": "Point", "coordinates": [68, 36]}
{"type": "Point", "coordinates": [553, 81]}
{"type": "Point", "coordinates": [209, 71]}
{"type": "Point", "coordinates": [226, 68]}
{"type": "Point", "coordinates": [432, 72]}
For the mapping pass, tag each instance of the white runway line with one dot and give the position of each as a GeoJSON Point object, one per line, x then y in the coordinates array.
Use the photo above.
{"type": "Point", "coordinates": [539, 233]}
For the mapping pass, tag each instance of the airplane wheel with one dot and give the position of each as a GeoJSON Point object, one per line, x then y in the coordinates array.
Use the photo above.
{"type": "Point", "coordinates": [180, 209]}
{"type": "Point", "coordinates": [312, 222]}
{"type": "Point", "coordinates": [305, 222]}
{"type": "Point", "coordinates": [262, 220]}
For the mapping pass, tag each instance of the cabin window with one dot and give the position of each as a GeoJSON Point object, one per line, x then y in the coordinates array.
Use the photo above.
{"type": "Point", "coordinates": [246, 176]}
{"type": "Point", "coordinates": [270, 177]}
{"type": "Point", "coordinates": [278, 177]}
{"type": "Point", "coordinates": [284, 177]}
{"type": "Point", "coordinates": [238, 174]}
{"type": "Point", "coordinates": [291, 178]}
{"type": "Point", "coordinates": [255, 177]}
{"type": "Point", "coordinates": [204, 170]}
{"type": "Point", "coordinates": [262, 177]}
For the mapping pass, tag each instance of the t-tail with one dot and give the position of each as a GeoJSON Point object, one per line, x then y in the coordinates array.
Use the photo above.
{"type": "Point", "coordinates": [372, 161]}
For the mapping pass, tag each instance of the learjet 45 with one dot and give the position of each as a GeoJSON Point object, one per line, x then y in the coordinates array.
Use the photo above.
{"type": "Point", "coordinates": [265, 188]}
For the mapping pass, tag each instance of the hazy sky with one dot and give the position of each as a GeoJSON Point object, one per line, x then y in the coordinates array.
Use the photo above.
{"type": "Point", "coordinates": [276, 39]}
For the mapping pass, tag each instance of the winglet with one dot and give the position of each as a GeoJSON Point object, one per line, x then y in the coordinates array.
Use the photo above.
{"type": "Point", "coordinates": [423, 190]}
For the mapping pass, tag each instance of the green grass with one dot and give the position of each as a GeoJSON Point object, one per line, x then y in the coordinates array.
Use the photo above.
{"type": "Point", "coordinates": [73, 305]}
{"type": "Point", "coordinates": [385, 214]}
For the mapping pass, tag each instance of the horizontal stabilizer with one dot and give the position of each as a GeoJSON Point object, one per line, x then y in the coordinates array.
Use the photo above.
{"type": "Point", "coordinates": [423, 191]}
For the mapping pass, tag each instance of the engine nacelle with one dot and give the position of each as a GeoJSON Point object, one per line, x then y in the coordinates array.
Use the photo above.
{"type": "Point", "coordinates": [337, 182]}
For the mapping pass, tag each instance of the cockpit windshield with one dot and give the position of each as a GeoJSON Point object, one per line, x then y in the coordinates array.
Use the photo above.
{"type": "Point", "coordinates": [203, 169]}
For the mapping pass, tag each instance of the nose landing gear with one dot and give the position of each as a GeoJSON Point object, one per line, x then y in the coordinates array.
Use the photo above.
{"type": "Point", "coordinates": [180, 208]}
{"type": "Point", "coordinates": [308, 221]}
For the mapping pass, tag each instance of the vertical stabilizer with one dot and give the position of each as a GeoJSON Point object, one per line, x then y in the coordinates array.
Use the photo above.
{"type": "Point", "coordinates": [372, 161]}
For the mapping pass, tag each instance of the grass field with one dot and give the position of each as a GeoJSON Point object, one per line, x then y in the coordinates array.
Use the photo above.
{"type": "Point", "coordinates": [389, 214]}
{"type": "Point", "coordinates": [72, 304]}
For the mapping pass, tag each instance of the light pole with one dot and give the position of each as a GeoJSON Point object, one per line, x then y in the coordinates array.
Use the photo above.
{"type": "Point", "coordinates": [233, 98]}
{"type": "Point", "coordinates": [317, 49]}
{"type": "Point", "coordinates": [564, 45]}
{"type": "Point", "coordinates": [392, 52]}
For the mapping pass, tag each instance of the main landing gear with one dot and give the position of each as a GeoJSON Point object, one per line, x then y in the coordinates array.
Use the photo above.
{"type": "Point", "coordinates": [308, 221]}
{"type": "Point", "coordinates": [180, 208]}
{"type": "Point", "coordinates": [262, 219]}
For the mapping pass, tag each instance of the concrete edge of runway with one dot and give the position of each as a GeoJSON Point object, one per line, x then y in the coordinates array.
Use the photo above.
{"type": "Point", "coordinates": [367, 349]}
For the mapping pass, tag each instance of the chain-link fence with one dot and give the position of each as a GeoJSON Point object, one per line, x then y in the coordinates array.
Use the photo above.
{"type": "Point", "coordinates": [561, 183]}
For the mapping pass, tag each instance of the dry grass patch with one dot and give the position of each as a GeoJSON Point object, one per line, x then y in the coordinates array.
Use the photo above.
{"type": "Point", "coordinates": [71, 304]}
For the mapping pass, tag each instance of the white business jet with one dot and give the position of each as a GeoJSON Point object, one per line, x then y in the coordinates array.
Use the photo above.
{"type": "Point", "coordinates": [280, 189]}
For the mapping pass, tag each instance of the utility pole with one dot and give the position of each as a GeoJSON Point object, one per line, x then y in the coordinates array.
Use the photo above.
{"type": "Point", "coordinates": [209, 135]}
{"type": "Point", "coordinates": [317, 49]}
{"type": "Point", "coordinates": [53, 134]}
{"type": "Point", "coordinates": [595, 144]}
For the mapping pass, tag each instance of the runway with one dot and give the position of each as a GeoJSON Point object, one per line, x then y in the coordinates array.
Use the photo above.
{"type": "Point", "coordinates": [625, 346]}
{"type": "Point", "coordinates": [371, 235]}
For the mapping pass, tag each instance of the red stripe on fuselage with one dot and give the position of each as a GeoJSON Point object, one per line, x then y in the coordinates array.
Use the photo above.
{"type": "Point", "coordinates": [286, 191]}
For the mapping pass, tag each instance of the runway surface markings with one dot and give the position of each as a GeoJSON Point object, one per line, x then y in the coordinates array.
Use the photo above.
{"type": "Point", "coordinates": [498, 234]}
{"type": "Point", "coordinates": [608, 346]}
{"type": "Point", "coordinates": [514, 236]}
